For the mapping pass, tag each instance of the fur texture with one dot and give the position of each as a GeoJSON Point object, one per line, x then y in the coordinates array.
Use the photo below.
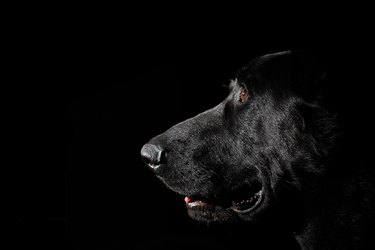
{"type": "Point", "coordinates": [274, 136]}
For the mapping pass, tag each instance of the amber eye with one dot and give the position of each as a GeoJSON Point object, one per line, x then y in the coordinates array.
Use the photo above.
{"type": "Point", "coordinates": [244, 95]}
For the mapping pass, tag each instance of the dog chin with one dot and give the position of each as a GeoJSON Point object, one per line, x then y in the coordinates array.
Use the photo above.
{"type": "Point", "coordinates": [209, 214]}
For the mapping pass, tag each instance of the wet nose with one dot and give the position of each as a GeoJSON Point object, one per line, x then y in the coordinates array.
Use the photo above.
{"type": "Point", "coordinates": [152, 155]}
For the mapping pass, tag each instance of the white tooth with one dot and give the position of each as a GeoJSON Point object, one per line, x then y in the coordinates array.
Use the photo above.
{"type": "Point", "coordinates": [193, 204]}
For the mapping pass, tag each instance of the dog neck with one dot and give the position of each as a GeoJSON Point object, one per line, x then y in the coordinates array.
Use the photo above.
{"type": "Point", "coordinates": [335, 211]}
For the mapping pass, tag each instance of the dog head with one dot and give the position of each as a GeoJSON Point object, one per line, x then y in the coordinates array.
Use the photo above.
{"type": "Point", "coordinates": [254, 150]}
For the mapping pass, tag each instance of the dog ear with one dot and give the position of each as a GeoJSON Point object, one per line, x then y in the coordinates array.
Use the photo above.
{"type": "Point", "coordinates": [300, 71]}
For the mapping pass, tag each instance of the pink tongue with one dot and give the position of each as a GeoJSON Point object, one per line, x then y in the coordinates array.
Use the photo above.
{"type": "Point", "coordinates": [188, 199]}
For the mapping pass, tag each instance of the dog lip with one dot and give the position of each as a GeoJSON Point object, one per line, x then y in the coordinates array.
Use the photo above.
{"type": "Point", "coordinates": [197, 204]}
{"type": "Point", "coordinates": [259, 196]}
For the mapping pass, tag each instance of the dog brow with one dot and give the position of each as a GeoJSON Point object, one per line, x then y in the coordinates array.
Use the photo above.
{"type": "Point", "coordinates": [233, 83]}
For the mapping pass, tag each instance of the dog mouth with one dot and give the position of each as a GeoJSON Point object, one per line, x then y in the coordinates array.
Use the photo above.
{"type": "Point", "coordinates": [247, 205]}
{"type": "Point", "coordinates": [241, 202]}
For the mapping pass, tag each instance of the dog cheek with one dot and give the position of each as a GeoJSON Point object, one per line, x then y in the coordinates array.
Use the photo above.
{"type": "Point", "coordinates": [203, 155]}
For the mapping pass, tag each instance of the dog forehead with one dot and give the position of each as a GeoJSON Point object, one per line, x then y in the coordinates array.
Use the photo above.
{"type": "Point", "coordinates": [273, 67]}
{"type": "Point", "coordinates": [297, 71]}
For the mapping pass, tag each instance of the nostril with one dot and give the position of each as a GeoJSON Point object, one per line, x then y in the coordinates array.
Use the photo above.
{"type": "Point", "coordinates": [152, 155]}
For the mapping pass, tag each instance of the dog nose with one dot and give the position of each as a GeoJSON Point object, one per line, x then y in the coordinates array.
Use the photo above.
{"type": "Point", "coordinates": [152, 155]}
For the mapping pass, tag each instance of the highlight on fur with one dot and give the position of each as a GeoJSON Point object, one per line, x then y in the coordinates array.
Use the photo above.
{"type": "Point", "coordinates": [279, 155]}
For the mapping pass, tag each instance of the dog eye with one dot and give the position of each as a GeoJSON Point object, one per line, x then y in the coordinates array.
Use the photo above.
{"type": "Point", "coordinates": [244, 95]}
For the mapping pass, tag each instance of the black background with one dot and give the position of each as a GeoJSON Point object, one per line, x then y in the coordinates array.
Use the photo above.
{"type": "Point", "coordinates": [102, 91]}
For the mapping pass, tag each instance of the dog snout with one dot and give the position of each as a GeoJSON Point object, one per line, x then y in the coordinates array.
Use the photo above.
{"type": "Point", "coordinates": [152, 155]}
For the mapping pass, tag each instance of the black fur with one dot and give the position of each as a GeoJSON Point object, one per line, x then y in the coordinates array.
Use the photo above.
{"type": "Point", "coordinates": [285, 139]}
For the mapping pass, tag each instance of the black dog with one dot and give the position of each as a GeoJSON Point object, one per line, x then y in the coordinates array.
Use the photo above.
{"type": "Point", "coordinates": [271, 149]}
